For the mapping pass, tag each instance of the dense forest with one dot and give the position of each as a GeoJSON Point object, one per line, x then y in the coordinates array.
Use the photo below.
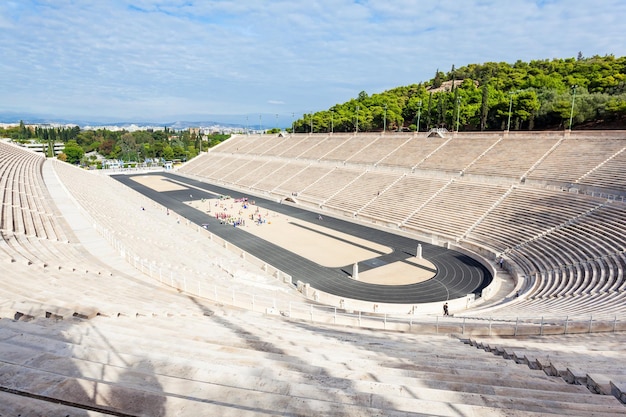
{"type": "Point", "coordinates": [536, 95]}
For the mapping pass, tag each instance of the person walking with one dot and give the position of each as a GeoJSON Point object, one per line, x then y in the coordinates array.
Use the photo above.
{"type": "Point", "coordinates": [445, 309]}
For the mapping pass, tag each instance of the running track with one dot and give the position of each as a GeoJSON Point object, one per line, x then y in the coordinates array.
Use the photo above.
{"type": "Point", "coordinates": [456, 276]}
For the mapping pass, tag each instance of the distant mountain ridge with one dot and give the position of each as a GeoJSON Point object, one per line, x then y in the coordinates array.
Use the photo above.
{"type": "Point", "coordinates": [177, 125]}
{"type": "Point", "coordinates": [227, 121]}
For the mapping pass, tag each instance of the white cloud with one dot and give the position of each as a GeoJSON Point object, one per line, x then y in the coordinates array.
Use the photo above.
{"type": "Point", "coordinates": [145, 58]}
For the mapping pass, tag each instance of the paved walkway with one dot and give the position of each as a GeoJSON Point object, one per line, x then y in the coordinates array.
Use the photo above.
{"type": "Point", "coordinates": [384, 258]}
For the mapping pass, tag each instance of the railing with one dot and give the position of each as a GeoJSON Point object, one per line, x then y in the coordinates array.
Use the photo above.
{"type": "Point", "coordinates": [320, 314]}
{"type": "Point", "coordinates": [608, 196]}
{"type": "Point", "coordinates": [290, 309]}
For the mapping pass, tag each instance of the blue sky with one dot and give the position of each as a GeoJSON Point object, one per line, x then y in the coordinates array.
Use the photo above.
{"type": "Point", "coordinates": [195, 60]}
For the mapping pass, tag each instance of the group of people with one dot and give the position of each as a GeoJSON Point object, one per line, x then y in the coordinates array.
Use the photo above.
{"type": "Point", "coordinates": [225, 217]}
{"type": "Point", "coordinates": [259, 220]}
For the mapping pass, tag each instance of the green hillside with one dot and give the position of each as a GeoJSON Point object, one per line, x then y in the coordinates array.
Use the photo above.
{"type": "Point", "coordinates": [537, 95]}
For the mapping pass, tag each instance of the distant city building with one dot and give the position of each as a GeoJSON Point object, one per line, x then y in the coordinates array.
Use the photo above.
{"type": "Point", "coordinates": [42, 147]}
{"type": "Point", "coordinates": [201, 128]}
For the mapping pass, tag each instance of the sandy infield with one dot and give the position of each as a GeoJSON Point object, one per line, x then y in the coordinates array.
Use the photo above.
{"type": "Point", "coordinates": [311, 240]}
{"type": "Point", "coordinates": [324, 246]}
{"type": "Point", "coordinates": [157, 183]}
{"type": "Point", "coordinates": [317, 243]}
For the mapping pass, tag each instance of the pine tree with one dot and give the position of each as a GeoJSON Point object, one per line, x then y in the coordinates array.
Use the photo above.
{"type": "Point", "coordinates": [23, 131]}
{"type": "Point", "coordinates": [453, 71]}
{"type": "Point", "coordinates": [439, 110]}
{"type": "Point", "coordinates": [484, 107]}
{"type": "Point", "coordinates": [455, 108]}
{"type": "Point", "coordinates": [437, 81]}
{"type": "Point", "coordinates": [430, 107]}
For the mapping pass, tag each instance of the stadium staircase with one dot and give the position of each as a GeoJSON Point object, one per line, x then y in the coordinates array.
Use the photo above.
{"type": "Point", "coordinates": [568, 357]}
{"type": "Point", "coordinates": [218, 362]}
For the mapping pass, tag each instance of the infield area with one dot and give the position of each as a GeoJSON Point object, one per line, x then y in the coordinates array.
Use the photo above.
{"type": "Point", "coordinates": [320, 250]}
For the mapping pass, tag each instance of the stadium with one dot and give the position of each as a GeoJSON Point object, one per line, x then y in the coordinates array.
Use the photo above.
{"type": "Point", "coordinates": [305, 274]}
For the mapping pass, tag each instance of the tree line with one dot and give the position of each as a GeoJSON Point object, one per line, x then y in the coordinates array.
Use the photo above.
{"type": "Point", "coordinates": [133, 147]}
{"type": "Point", "coordinates": [535, 95]}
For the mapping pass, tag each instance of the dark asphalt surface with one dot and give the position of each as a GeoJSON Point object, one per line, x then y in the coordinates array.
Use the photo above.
{"type": "Point", "coordinates": [457, 274]}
